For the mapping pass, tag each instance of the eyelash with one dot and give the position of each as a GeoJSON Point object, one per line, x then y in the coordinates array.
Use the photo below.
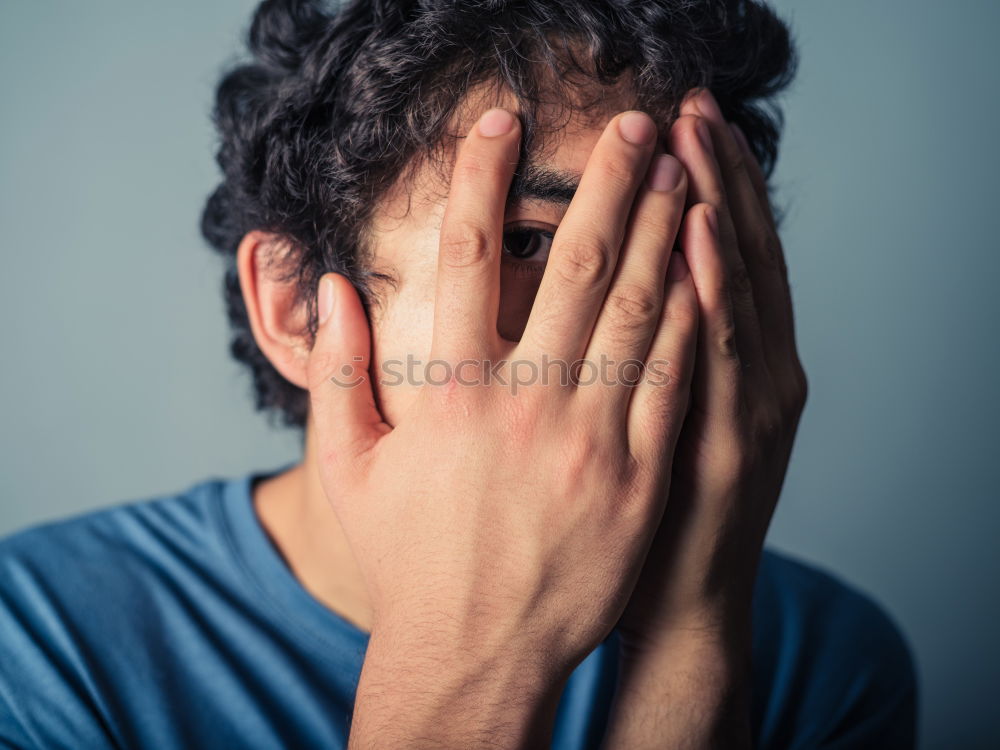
{"type": "Point", "coordinates": [525, 233]}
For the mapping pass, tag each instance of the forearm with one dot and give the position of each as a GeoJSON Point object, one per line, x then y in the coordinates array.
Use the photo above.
{"type": "Point", "coordinates": [414, 693]}
{"type": "Point", "coordinates": [687, 694]}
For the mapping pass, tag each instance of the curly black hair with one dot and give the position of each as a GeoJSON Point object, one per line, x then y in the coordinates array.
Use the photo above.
{"type": "Point", "coordinates": [338, 102]}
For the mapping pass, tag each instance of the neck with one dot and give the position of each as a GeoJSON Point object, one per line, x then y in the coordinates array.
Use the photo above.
{"type": "Point", "coordinates": [294, 511]}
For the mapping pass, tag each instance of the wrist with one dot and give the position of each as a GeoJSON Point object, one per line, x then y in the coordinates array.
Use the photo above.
{"type": "Point", "coordinates": [423, 687]}
{"type": "Point", "coordinates": [707, 662]}
{"type": "Point", "coordinates": [722, 627]}
{"type": "Point", "coordinates": [690, 689]}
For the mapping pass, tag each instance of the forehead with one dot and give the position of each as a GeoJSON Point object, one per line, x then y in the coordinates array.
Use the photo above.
{"type": "Point", "coordinates": [564, 123]}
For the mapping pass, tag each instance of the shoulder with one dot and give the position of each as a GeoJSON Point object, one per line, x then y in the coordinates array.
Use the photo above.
{"type": "Point", "coordinates": [108, 527]}
{"type": "Point", "coordinates": [112, 557]}
{"type": "Point", "coordinates": [89, 555]}
{"type": "Point", "coordinates": [809, 595]}
{"type": "Point", "coordinates": [807, 605]}
{"type": "Point", "coordinates": [830, 664]}
{"type": "Point", "coordinates": [70, 588]}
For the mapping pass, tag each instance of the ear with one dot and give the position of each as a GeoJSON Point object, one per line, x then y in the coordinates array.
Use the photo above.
{"type": "Point", "coordinates": [277, 318]}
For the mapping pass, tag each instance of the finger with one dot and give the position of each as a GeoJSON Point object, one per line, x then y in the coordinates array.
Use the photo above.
{"type": "Point", "coordinates": [340, 394]}
{"type": "Point", "coordinates": [691, 141]}
{"type": "Point", "coordinates": [660, 400]}
{"type": "Point", "coordinates": [586, 245]}
{"type": "Point", "coordinates": [717, 386]}
{"type": "Point", "coordinates": [632, 309]}
{"type": "Point", "coordinates": [468, 276]}
{"type": "Point", "coordinates": [750, 213]}
{"type": "Point", "coordinates": [775, 288]}
{"type": "Point", "coordinates": [758, 242]}
{"type": "Point", "coordinates": [756, 174]}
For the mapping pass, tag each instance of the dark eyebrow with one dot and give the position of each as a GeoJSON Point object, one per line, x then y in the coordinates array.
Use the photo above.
{"type": "Point", "coordinates": [542, 183]}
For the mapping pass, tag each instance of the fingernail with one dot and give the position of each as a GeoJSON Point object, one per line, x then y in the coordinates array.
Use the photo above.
{"type": "Point", "coordinates": [677, 269]}
{"type": "Point", "coordinates": [665, 173]}
{"type": "Point", "coordinates": [637, 128]}
{"type": "Point", "coordinates": [705, 136]}
{"type": "Point", "coordinates": [496, 122]}
{"type": "Point", "coordinates": [709, 107]}
{"type": "Point", "coordinates": [324, 299]}
{"type": "Point", "coordinates": [712, 219]}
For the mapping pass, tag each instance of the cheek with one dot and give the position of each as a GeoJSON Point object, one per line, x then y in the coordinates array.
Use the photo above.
{"type": "Point", "coordinates": [406, 249]}
{"type": "Point", "coordinates": [401, 343]}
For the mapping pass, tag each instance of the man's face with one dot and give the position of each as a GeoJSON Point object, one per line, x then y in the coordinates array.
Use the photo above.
{"type": "Point", "coordinates": [406, 229]}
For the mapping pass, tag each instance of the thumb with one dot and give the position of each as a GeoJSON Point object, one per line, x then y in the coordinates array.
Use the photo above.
{"type": "Point", "coordinates": [347, 422]}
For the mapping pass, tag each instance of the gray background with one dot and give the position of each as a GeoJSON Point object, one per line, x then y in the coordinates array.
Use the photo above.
{"type": "Point", "coordinates": [116, 383]}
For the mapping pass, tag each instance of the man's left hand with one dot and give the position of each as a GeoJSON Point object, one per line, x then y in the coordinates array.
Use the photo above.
{"type": "Point", "coordinates": [691, 609]}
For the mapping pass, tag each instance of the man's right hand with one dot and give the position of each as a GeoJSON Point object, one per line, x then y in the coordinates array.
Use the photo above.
{"type": "Point", "coordinates": [500, 535]}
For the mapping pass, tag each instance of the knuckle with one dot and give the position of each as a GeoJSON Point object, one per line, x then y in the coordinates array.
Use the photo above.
{"type": "Point", "coordinates": [634, 306]}
{"type": "Point", "coordinates": [724, 338]}
{"type": "Point", "coordinates": [584, 262]}
{"type": "Point", "coordinates": [466, 247]}
{"type": "Point", "coordinates": [770, 249]}
{"type": "Point", "coordinates": [460, 408]}
{"type": "Point", "coordinates": [576, 454]}
{"type": "Point", "coordinates": [617, 174]}
{"type": "Point", "coordinates": [444, 395]}
{"type": "Point", "coordinates": [767, 424]}
{"type": "Point", "coordinates": [588, 453]}
{"type": "Point", "coordinates": [797, 393]}
{"type": "Point", "coordinates": [725, 344]}
{"type": "Point", "coordinates": [761, 243]}
{"type": "Point", "coordinates": [583, 450]}
{"type": "Point", "coordinates": [740, 281]}
{"type": "Point", "coordinates": [681, 315]}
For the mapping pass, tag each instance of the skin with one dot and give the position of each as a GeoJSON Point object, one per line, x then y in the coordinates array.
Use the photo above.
{"type": "Point", "coordinates": [575, 480]}
{"type": "Point", "coordinates": [689, 616]}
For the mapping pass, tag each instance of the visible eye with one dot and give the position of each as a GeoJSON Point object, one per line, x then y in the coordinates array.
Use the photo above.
{"type": "Point", "coordinates": [527, 243]}
{"type": "Point", "coordinates": [525, 253]}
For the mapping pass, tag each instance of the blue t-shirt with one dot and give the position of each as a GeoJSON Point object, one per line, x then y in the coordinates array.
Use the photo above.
{"type": "Point", "coordinates": [175, 623]}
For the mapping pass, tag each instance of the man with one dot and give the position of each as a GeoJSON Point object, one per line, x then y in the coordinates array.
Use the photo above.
{"type": "Point", "coordinates": [541, 450]}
